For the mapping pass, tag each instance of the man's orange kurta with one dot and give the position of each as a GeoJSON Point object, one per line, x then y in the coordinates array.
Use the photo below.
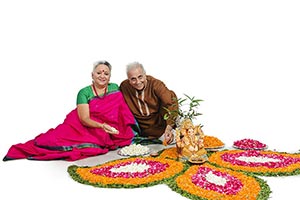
{"type": "Point", "coordinates": [148, 105]}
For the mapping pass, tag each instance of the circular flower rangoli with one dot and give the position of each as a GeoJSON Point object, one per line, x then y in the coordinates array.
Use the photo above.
{"type": "Point", "coordinates": [258, 162]}
{"type": "Point", "coordinates": [209, 182]}
{"type": "Point", "coordinates": [227, 175]}
{"type": "Point", "coordinates": [131, 172]}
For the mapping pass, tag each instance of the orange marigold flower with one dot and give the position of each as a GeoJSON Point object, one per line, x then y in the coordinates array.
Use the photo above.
{"type": "Point", "coordinates": [249, 187]}
{"type": "Point", "coordinates": [259, 162]}
{"type": "Point", "coordinates": [169, 153]}
{"type": "Point", "coordinates": [212, 142]}
{"type": "Point", "coordinates": [153, 170]}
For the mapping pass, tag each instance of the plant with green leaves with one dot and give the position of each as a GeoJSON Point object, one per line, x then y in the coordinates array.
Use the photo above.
{"type": "Point", "coordinates": [187, 109]}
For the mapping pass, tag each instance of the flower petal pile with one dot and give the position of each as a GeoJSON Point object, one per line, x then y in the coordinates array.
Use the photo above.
{"type": "Point", "coordinates": [258, 162]}
{"type": "Point", "coordinates": [211, 142]}
{"type": "Point", "coordinates": [249, 144]}
{"type": "Point", "coordinates": [134, 150]}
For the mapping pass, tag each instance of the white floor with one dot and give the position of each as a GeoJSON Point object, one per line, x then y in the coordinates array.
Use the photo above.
{"type": "Point", "coordinates": [25, 179]}
{"type": "Point", "coordinates": [240, 57]}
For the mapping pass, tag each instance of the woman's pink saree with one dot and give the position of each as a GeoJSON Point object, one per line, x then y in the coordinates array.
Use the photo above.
{"type": "Point", "coordinates": [72, 141]}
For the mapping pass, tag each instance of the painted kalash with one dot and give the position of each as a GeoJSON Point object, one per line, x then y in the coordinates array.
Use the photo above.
{"type": "Point", "coordinates": [190, 142]}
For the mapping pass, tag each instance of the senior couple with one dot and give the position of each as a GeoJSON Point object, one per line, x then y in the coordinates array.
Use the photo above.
{"type": "Point", "coordinates": [107, 116]}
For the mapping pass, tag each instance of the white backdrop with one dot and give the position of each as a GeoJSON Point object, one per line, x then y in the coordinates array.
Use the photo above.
{"type": "Point", "coordinates": [240, 57]}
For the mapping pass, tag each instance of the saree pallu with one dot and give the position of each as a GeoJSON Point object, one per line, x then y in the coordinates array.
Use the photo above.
{"type": "Point", "coordinates": [72, 141]}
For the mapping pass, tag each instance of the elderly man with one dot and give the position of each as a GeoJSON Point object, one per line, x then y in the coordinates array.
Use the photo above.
{"type": "Point", "coordinates": [149, 99]}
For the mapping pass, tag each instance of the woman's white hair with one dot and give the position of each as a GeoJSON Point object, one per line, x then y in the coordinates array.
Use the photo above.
{"type": "Point", "coordinates": [102, 62]}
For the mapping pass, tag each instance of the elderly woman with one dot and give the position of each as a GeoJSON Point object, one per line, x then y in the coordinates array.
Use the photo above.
{"type": "Point", "coordinates": [101, 122]}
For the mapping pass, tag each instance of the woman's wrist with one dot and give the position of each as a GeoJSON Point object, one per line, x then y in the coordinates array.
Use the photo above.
{"type": "Point", "coordinates": [101, 125]}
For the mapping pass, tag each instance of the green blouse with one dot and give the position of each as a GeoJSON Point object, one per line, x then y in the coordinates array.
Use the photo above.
{"type": "Point", "coordinates": [86, 94]}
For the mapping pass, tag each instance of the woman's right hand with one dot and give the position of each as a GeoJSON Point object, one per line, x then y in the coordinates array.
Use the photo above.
{"type": "Point", "coordinates": [109, 129]}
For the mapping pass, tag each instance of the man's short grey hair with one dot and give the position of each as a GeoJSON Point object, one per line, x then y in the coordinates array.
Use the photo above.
{"type": "Point", "coordinates": [134, 65]}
